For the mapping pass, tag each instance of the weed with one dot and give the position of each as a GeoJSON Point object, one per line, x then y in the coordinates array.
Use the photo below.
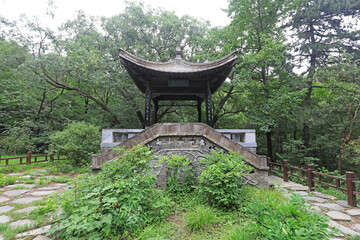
{"type": "Point", "coordinates": [7, 180]}
{"type": "Point", "coordinates": [202, 218]}
{"type": "Point", "coordinates": [20, 187]}
{"type": "Point", "coordinates": [242, 232]}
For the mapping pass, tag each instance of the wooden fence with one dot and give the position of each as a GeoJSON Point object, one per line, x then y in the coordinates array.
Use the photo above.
{"type": "Point", "coordinates": [309, 174]}
{"type": "Point", "coordinates": [29, 159]}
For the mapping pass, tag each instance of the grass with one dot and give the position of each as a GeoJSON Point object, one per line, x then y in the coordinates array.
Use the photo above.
{"type": "Point", "coordinates": [204, 222]}
{"type": "Point", "coordinates": [202, 218]}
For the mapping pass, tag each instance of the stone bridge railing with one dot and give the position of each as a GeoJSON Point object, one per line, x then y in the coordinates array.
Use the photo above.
{"type": "Point", "coordinates": [194, 139]}
{"type": "Point", "coordinates": [114, 137]}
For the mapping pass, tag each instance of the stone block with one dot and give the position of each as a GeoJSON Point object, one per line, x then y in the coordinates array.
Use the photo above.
{"type": "Point", "coordinates": [49, 188]}
{"type": "Point", "coordinates": [22, 185]}
{"type": "Point", "coordinates": [331, 206]}
{"type": "Point", "coordinates": [21, 223]}
{"type": "Point", "coordinates": [42, 193]}
{"type": "Point", "coordinates": [34, 232]}
{"type": "Point", "coordinates": [25, 210]}
{"type": "Point", "coordinates": [6, 208]}
{"type": "Point", "coordinates": [353, 212]}
{"type": "Point", "coordinates": [14, 193]}
{"type": "Point", "coordinates": [314, 199]}
{"type": "Point", "coordinates": [4, 219]}
{"type": "Point", "coordinates": [41, 237]}
{"type": "Point", "coordinates": [342, 228]}
{"type": "Point", "coordinates": [3, 199]}
{"type": "Point", "coordinates": [26, 200]}
{"type": "Point", "coordinates": [356, 227]}
{"type": "Point", "coordinates": [335, 215]}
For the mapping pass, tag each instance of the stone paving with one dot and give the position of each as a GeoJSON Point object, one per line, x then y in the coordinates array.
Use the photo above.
{"type": "Point", "coordinates": [19, 199]}
{"type": "Point", "coordinates": [343, 217]}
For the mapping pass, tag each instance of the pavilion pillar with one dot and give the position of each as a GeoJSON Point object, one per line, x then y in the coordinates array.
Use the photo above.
{"type": "Point", "coordinates": [199, 110]}
{"type": "Point", "coordinates": [208, 106]}
{"type": "Point", "coordinates": [156, 108]}
{"type": "Point", "coordinates": [147, 106]}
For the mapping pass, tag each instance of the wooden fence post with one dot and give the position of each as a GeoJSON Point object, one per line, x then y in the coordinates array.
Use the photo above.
{"type": "Point", "coordinates": [28, 158]}
{"type": "Point", "coordinates": [51, 157]}
{"type": "Point", "coordinates": [285, 170]}
{"type": "Point", "coordinates": [269, 165]}
{"type": "Point", "coordinates": [310, 169]}
{"type": "Point", "coordinates": [350, 187]}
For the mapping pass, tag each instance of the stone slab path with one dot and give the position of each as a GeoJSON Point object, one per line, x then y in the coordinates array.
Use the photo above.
{"type": "Point", "coordinates": [18, 200]}
{"type": "Point", "coordinates": [343, 217]}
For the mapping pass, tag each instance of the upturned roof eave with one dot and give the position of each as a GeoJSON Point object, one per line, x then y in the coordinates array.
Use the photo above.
{"type": "Point", "coordinates": [178, 66]}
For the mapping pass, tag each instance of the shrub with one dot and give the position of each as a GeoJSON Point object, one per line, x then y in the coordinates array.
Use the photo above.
{"type": "Point", "coordinates": [199, 219]}
{"type": "Point", "coordinates": [222, 178]}
{"type": "Point", "coordinates": [175, 164]}
{"type": "Point", "coordinates": [78, 141]}
{"type": "Point", "coordinates": [118, 201]}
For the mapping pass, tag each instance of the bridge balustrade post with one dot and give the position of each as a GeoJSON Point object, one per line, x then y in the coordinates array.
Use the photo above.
{"type": "Point", "coordinates": [310, 169]}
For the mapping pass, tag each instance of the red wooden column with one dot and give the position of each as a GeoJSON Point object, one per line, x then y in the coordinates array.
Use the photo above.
{"type": "Point", "coordinates": [310, 169]}
{"type": "Point", "coordinates": [350, 187]}
{"type": "Point", "coordinates": [208, 106]}
{"type": "Point", "coordinates": [28, 158]}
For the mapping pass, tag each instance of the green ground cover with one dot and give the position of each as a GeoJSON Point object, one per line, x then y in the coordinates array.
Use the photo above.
{"type": "Point", "coordinates": [122, 202]}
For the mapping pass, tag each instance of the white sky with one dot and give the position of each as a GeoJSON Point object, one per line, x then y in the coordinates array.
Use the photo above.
{"type": "Point", "coordinates": [65, 9]}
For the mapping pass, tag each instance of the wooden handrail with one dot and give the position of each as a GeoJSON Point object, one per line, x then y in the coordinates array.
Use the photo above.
{"type": "Point", "coordinates": [28, 159]}
{"type": "Point", "coordinates": [310, 173]}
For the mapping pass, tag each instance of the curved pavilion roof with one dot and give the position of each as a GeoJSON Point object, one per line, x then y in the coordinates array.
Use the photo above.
{"type": "Point", "coordinates": [177, 76]}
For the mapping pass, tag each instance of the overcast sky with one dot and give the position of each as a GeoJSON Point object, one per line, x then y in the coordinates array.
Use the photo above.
{"type": "Point", "coordinates": [65, 9]}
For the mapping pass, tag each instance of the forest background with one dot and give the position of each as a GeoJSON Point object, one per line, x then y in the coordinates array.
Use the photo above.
{"type": "Point", "coordinates": [50, 78]}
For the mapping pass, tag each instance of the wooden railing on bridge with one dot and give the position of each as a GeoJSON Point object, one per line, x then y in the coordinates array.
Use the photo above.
{"type": "Point", "coordinates": [311, 176]}
{"type": "Point", "coordinates": [29, 159]}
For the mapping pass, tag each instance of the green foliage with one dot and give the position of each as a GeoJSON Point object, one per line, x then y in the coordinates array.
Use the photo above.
{"type": "Point", "coordinates": [289, 219]}
{"type": "Point", "coordinates": [175, 165]}
{"type": "Point", "coordinates": [120, 200]}
{"type": "Point", "coordinates": [352, 151]}
{"type": "Point", "coordinates": [202, 218]}
{"type": "Point", "coordinates": [296, 153]}
{"type": "Point", "coordinates": [45, 208]}
{"type": "Point", "coordinates": [18, 139]}
{"type": "Point", "coordinates": [7, 180]}
{"type": "Point", "coordinates": [222, 178]}
{"type": "Point", "coordinates": [78, 141]}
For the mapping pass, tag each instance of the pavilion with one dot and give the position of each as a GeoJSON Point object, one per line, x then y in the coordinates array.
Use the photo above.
{"type": "Point", "coordinates": [178, 80]}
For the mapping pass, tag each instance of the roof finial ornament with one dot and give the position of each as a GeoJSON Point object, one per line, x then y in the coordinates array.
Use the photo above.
{"type": "Point", "coordinates": [178, 53]}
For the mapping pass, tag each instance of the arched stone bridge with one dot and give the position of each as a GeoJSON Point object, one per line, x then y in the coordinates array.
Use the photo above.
{"type": "Point", "coordinates": [192, 140]}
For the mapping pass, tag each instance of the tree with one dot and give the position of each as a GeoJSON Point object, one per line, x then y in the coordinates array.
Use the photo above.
{"type": "Point", "coordinates": [261, 71]}
{"type": "Point", "coordinates": [340, 103]}
{"type": "Point", "coordinates": [321, 29]}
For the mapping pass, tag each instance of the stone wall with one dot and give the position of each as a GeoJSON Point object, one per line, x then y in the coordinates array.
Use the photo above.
{"type": "Point", "coordinates": [194, 148]}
